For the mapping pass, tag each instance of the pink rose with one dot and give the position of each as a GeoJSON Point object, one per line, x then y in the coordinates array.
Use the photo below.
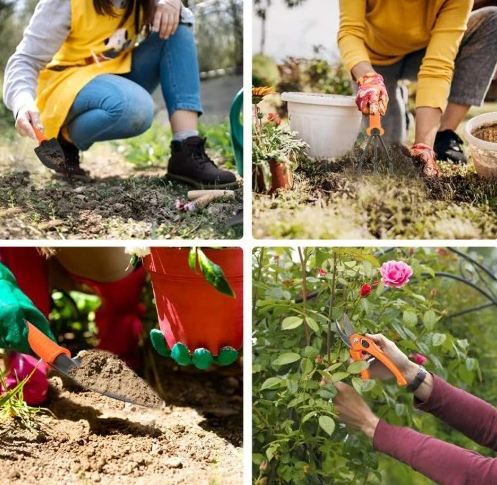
{"type": "Point", "coordinates": [418, 358]}
{"type": "Point", "coordinates": [322, 272]}
{"type": "Point", "coordinates": [395, 273]}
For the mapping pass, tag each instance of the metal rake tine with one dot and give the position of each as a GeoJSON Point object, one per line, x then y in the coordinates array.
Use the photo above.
{"type": "Point", "coordinates": [389, 158]}
{"type": "Point", "coordinates": [359, 169]}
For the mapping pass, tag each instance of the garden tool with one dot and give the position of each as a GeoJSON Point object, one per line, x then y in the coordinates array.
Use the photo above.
{"type": "Point", "coordinates": [60, 359]}
{"type": "Point", "coordinates": [50, 152]}
{"type": "Point", "coordinates": [375, 133]}
{"type": "Point", "coordinates": [361, 347]}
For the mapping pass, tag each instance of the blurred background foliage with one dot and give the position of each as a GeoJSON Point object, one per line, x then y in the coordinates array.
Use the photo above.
{"type": "Point", "coordinates": [291, 443]}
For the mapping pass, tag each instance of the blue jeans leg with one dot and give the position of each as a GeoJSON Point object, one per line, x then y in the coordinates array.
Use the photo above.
{"type": "Point", "coordinates": [173, 64]}
{"type": "Point", "coordinates": [109, 107]}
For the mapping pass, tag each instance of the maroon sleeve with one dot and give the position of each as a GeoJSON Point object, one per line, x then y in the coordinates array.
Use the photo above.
{"type": "Point", "coordinates": [442, 462]}
{"type": "Point", "coordinates": [462, 411]}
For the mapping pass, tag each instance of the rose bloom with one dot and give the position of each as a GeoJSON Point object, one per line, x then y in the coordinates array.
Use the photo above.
{"type": "Point", "coordinates": [365, 290]}
{"type": "Point", "coordinates": [395, 273]}
{"type": "Point", "coordinates": [322, 272]}
{"type": "Point", "coordinates": [418, 358]}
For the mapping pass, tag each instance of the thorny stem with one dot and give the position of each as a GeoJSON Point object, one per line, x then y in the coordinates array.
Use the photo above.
{"type": "Point", "coordinates": [332, 302]}
{"type": "Point", "coordinates": [303, 262]}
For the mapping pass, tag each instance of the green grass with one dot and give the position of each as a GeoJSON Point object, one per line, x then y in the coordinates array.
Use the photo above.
{"type": "Point", "coordinates": [13, 406]}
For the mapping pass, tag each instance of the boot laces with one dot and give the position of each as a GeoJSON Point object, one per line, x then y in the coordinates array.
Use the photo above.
{"type": "Point", "coordinates": [199, 154]}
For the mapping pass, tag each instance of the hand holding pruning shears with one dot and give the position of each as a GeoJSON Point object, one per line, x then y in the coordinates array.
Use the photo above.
{"type": "Point", "coordinates": [166, 17]}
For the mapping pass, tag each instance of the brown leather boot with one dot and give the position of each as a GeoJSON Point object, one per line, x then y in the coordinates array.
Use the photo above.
{"type": "Point", "coordinates": [190, 163]}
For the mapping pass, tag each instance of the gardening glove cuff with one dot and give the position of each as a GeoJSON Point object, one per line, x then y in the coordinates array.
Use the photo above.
{"type": "Point", "coordinates": [15, 308]}
{"type": "Point", "coordinates": [427, 157]}
{"type": "Point", "coordinates": [372, 95]}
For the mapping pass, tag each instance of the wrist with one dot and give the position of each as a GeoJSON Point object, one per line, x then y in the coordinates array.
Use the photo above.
{"type": "Point", "coordinates": [370, 426]}
{"type": "Point", "coordinates": [411, 371]}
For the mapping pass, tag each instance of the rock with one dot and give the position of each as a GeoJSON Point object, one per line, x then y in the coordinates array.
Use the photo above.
{"type": "Point", "coordinates": [79, 190]}
{"type": "Point", "coordinates": [81, 197]}
{"type": "Point", "coordinates": [173, 462]}
{"type": "Point", "coordinates": [119, 206]}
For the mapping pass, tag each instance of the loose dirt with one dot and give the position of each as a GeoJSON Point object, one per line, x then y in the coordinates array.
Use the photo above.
{"type": "Point", "coordinates": [92, 439]}
{"type": "Point", "coordinates": [119, 201]}
{"type": "Point", "coordinates": [104, 372]}
{"type": "Point", "coordinates": [487, 132]}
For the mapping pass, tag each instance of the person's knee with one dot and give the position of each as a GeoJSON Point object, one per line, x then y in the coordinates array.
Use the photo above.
{"type": "Point", "coordinates": [140, 112]}
{"type": "Point", "coordinates": [488, 17]}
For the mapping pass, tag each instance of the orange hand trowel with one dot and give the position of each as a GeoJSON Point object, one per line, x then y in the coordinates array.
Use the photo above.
{"type": "Point", "coordinates": [50, 152]}
{"type": "Point", "coordinates": [60, 359]}
{"type": "Point", "coordinates": [362, 348]}
{"type": "Point", "coordinates": [375, 133]}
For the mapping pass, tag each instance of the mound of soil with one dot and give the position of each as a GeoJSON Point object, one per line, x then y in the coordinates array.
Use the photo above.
{"type": "Point", "coordinates": [486, 132]}
{"type": "Point", "coordinates": [92, 439]}
{"type": "Point", "coordinates": [104, 372]}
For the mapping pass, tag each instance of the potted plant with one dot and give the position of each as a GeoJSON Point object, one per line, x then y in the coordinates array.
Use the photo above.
{"type": "Point", "coordinates": [199, 299]}
{"type": "Point", "coordinates": [275, 149]}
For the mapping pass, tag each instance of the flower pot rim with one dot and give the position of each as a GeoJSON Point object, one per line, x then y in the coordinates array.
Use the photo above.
{"type": "Point", "coordinates": [478, 122]}
{"type": "Point", "coordinates": [319, 99]}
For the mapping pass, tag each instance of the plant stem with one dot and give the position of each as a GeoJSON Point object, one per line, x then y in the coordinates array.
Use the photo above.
{"type": "Point", "coordinates": [303, 262]}
{"type": "Point", "coordinates": [332, 302]}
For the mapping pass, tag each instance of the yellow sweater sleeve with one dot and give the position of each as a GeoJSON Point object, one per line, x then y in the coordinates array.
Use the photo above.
{"type": "Point", "coordinates": [352, 32]}
{"type": "Point", "coordinates": [435, 75]}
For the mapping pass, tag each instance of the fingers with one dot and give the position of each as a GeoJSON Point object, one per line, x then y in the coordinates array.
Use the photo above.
{"type": "Point", "coordinates": [166, 20]}
{"type": "Point", "coordinates": [25, 119]}
{"type": "Point", "coordinates": [379, 339]}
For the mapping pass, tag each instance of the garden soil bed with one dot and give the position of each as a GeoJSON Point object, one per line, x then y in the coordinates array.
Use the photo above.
{"type": "Point", "coordinates": [120, 201]}
{"type": "Point", "coordinates": [92, 439]}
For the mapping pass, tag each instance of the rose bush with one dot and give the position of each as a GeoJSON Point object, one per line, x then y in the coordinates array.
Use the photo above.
{"type": "Point", "coordinates": [297, 296]}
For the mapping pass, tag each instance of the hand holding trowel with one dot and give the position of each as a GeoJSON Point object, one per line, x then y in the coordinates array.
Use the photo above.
{"type": "Point", "coordinates": [95, 370]}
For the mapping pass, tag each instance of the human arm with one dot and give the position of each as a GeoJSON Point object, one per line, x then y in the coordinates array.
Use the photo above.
{"type": "Point", "coordinates": [47, 30]}
{"type": "Point", "coordinates": [167, 16]}
{"type": "Point", "coordinates": [460, 410]}
{"type": "Point", "coordinates": [15, 309]}
{"type": "Point", "coordinates": [443, 463]}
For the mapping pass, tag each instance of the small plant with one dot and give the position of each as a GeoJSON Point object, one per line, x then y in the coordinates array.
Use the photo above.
{"type": "Point", "coordinates": [13, 406]}
{"type": "Point", "coordinates": [272, 141]}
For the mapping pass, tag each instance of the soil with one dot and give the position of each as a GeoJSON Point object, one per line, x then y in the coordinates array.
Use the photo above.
{"type": "Point", "coordinates": [52, 152]}
{"type": "Point", "coordinates": [92, 439]}
{"type": "Point", "coordinates": [104, 372]}
{"type": "Point", "coordinates": [486, 132]}
{"type": "Point", "coordinates": [119, 201]}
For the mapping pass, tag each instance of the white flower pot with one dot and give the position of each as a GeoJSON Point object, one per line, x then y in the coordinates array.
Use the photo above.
{"type": "Point", "coordinates": [483, 153]}
{"type": "Point", "coordinates": [329, 123]}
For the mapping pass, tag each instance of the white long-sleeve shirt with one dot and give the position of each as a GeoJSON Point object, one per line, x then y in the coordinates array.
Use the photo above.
{"type": "Point", "coordinates": [40, 44]}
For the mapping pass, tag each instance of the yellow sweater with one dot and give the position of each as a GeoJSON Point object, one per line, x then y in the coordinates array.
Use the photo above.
{"type": "Point", "coordinates": [384, 31]}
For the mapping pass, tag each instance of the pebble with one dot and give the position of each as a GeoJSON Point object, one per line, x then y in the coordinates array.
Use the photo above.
{"type": "Point", "coordinates": [119, 206]}
{"type": "Point", "coordinates": [81, 197]}
{"type": "Point", "coordinates": [173, 462]}
{"type": "Point", "coordinates": [79, 190]}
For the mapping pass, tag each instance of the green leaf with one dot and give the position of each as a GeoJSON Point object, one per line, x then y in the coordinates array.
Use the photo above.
{"type": "Point", "coordinates": [271, 382]}
{"type": "Point", "coordinates": [429, 319]}
{"type": "Point", "coordinates": [368, 385]}
{"type": "Point", "coordinates": [313, 324]}
{"type": "Point", "coordinates": [192, 259]}
{"type": "Point", "coordinates": [339, 376]}
{"type": "Point", "coordinates": [308, 416]}
{"type": "Point", "coordinates": [438, 339]}
{"type": "Point", "coordinates": [357, 367]}
{"type": "Point", "coordinates": [410, 318]}
{"type": "Point", "coordinates": [288, 358]}
{"type": "Point", "coordinates": [400, 409]}
{"type": "Point", "coordinates": [289, 323]}
{"type": "Point", "coordinates": [327, 424]}
{"type": "Point", "coordinates": [214, 274]}
{"type": "Point", "coordinates": [471, 364]}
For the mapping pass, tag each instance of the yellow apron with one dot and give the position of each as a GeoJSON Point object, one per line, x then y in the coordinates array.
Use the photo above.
{"type": "Point", "coordinates": [95, 45]}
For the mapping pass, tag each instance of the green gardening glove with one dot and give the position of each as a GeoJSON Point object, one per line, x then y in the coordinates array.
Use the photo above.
{"type": "Point", "coordinates": [15, 308]}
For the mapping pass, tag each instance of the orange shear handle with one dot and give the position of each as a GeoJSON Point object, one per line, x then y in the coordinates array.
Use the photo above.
{"type": "Point", "coordinates": [358, 349]}
{"type": "Point", "coordinates": [44, 347]}
{"type": "Point", "coordinates": [375, 122]}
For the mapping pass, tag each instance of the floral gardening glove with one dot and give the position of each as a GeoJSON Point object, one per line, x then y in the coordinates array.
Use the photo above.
{"type": "Point", "coordinates": [372, 96]}
{"type": "Point", "coordinates": [424, 154]}
{"type": "Point", "coordinates": [15, 307]}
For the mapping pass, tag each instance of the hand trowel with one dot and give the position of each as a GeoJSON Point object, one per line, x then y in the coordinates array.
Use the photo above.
{"type": "Point", "coordinates": [50, 153]}
{"type": "Point", "coordinates": [60, 360]}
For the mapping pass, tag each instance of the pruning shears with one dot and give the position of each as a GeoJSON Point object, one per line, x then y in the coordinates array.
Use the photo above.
{"type": "Point", "coordinates": [361, 347]}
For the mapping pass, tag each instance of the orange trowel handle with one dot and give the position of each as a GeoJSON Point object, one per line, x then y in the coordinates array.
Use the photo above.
{"type": "Point", "coordinates": [43, 346]}
{"type": "Point", "coordinates": [39, 135]}
{"type": "Point", "coordinates": [361, 344]}
{"type": "Point", "coordinates": [375, 122]}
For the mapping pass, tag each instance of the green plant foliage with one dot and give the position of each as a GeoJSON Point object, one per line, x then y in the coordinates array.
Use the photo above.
{"type": "Point", "coordinates": [152, 148]}
{"type": "Point", "coordinates": [297, 437]}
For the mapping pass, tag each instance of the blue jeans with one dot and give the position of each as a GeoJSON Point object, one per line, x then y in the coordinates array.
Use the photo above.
{"type": "Point", "coordinates": [112, 107]}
